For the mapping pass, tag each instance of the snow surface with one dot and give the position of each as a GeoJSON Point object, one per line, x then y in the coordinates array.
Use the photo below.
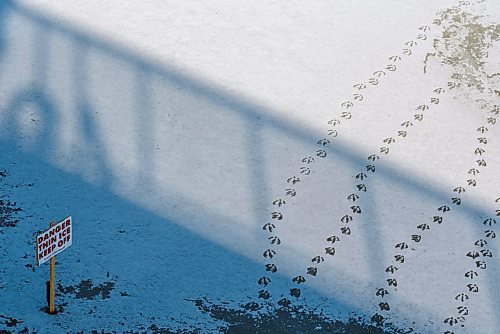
{"type": "Point", "coordinates": [171, 130]}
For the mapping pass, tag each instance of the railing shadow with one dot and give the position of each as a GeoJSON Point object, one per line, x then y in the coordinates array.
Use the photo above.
{"type": "Point", "coordinates": [166, 175]}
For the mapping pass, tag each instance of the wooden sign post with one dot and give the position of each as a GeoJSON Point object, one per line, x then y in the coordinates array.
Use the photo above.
{"type": "Point", "coordinates": [50, 243]}
{"type": "Point", "coordinates": [52, 292]}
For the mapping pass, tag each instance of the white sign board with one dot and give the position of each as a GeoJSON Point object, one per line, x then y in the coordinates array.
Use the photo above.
{"type": "Point", "coordinates": [53, 241]}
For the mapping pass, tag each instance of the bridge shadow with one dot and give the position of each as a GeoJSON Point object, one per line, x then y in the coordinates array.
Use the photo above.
{"type": "Point", "coordinates": [167, 177]}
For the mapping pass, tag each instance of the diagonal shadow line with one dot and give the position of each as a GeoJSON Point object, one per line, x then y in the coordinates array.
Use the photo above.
{"type": "Point", "coordinates": [248, 109]}
{"type": "Point", "coordinates": [237, 103]}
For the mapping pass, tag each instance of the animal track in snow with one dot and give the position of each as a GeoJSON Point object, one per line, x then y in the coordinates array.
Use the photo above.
{"type": "Point", "coordinates": [457, 81]}
{"type": "Point", "coordinates": [307, 170]}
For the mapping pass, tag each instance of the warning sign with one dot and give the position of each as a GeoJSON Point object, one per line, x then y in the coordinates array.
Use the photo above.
{"type": "Point", "coordinates": [53, 241]}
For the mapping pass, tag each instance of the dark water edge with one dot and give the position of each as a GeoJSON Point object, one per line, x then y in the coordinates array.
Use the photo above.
{"type": "Point", "coordinates": [284, 318]}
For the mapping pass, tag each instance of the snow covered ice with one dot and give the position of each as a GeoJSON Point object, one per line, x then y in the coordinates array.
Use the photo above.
{"type": "Point", "coordinates": [267, 167]}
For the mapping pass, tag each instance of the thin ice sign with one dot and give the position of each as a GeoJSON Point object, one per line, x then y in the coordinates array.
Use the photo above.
{"type": "Point", "coordinates": [53, 241]}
